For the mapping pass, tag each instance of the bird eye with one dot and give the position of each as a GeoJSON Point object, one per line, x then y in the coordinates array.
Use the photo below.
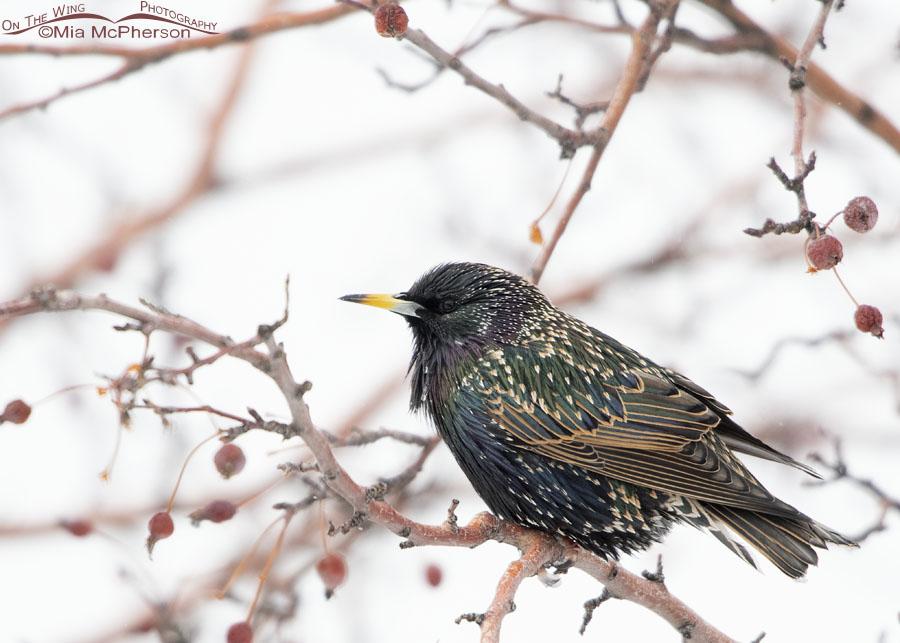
{"type": "Point", "coordinates": [447, 305]}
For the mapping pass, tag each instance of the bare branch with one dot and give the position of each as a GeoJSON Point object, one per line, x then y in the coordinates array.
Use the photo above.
{"type": "Point", "coordinates": [817, 79]}
{"type": "Point", "coordinates": [635, 68]}
{"type": "Point", "coordinates": [840, 471]}
{"type": "Point", "coordinates": [136, 59]}
{"type": "Point", "coordinates": [797, 83]}
{"type": "Point", "coordinates": [569, 140]}
{"type": "Point", "coordinates": [538, 548]}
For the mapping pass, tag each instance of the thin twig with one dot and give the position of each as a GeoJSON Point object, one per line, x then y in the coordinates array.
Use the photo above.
{"type": "Point", "coordinates": [817, 79]}
{"type": "Point", "coordinates": [569, 139]}
{"type": "Point", "coordinates": [642, 43]}
{"type": "Point", "coordinates": [136, 59]}
{"type": "Point", "coordinates": [749, 36]}
{"type": "Point", "coordinates": [797, 83]}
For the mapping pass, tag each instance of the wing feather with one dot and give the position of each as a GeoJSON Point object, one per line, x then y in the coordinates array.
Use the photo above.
{"type": "Point", "coordinates": [646, 431]}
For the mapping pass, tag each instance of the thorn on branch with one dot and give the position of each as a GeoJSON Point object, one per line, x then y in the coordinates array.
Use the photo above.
{"type": "Point", "coordinates": [804, 221]}
{"type": "Point", "coordinates": [581, 111]}
{"type": "Point", "coordinates": [294, 467]}
{"type": "Point", "coordinates": [797, 79]}
{"type": "Point", "coordinates": [686, 630]}
{"type": "Point", "coordinates": [657, 576]}
{"type": "Point", "coordinates": [266, 331]}
{"type": "Point", "coordinates": [801, 224]}
{"type": "Point", "coordinates": [376, 491]}
{"type": "Point", "coordinates": [591, 605]}
{"type": "Point", "coordinates": [159, 310]}
{"type": "Point", "coordinates": [472, 617]}
{"type": "Point", "coordinates": [293, 507]}
{"type": "Point", "coordinates": [613, 572]}
{"type": "Point", "coordinates": [795, 184]}
{"type": "Point", "coordinates": [231, 433]}
{"type": "Point", "coordinates": [284, 430]}
{"type": "Point", "coordinates": [452, 520]}
{"type": "Point", "coordinates": [138, 326]}
{"type": "Point", "coordinates": [46, 297]}
{"type": "Point", "coordinates": [354, 521]}
{"type": "Point", "coordinates": [304, 388]}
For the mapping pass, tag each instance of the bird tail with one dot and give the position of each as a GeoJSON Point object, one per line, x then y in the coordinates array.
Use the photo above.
{"type": "Point", "coordinates": [696, 514]}
{"type": "Point", "coordinates": [787, 542]}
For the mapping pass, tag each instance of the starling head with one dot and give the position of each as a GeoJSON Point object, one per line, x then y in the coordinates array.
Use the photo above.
{"type": "Point", "coordinates": [456, 311]}
{"type": "Point", "coordinates": [463, 304]}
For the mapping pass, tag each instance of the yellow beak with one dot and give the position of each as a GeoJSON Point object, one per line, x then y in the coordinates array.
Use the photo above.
{"type": "Point", "coordinates": [389, 302]}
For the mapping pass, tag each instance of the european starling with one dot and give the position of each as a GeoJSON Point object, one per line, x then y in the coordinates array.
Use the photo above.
{"type": "Point", "coordinates": [563, 429]}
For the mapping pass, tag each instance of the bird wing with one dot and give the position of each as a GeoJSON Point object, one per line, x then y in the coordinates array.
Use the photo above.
{"type": "Point", "coordinates": [627, 424]}
{"type": "Point", "coordinates": [732, 433]}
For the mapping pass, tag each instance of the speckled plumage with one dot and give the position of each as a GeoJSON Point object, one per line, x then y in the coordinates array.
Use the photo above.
{"type": "Point", "coordinates": [561, 428]}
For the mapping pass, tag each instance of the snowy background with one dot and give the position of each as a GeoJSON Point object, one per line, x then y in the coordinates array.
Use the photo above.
{"type": "Point", "coordinates": [328, 175]}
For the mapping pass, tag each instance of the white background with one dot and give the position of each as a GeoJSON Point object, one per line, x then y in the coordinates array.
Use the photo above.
{"type": "Point", "coordinates": [349, 186]}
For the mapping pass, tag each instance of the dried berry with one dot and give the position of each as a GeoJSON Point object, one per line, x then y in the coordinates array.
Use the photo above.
{"type": "Point", "coordinates": [240, 633]}
{"type": "Point", "coordinates": [868, 319]}
{"type": "Point", "coordinates": [433, 575]}
{"type": "Point", "coordinates": [332, 570]}
{"type": "Point", "coordinates": [77, 527]}
{"type": "Point", "coordinates": [161, 526]}
{"type": "Point", "coordinates": [229, 460]}
{"type": "Point", "coordinates": [391, 20]}
{"type": "Point", "coordinates": [825, 252]}
{"type": "Point", "coordinates": [215, 511]}
{"type": "Point", "coordinates": [16, 412]}
{"type": "Point", "coordinates": [861, 214]}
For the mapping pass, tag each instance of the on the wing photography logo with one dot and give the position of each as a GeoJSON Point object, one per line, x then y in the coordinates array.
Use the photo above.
{"type": "Point", "coordinates": [74, 21]}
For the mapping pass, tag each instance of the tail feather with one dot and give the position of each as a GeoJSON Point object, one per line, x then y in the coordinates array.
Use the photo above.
{"type": "Point", "coordinates": [787, 542]}
{"type": "Point", "coordinates": [694, 512]}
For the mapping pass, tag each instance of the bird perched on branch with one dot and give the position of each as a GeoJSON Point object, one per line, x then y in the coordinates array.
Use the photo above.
{"type": "Point", "coordinates": [561, 428]}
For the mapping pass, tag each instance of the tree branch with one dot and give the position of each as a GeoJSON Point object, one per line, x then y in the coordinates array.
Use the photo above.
{"type": "Point", "coordinates": [136, 59]}
{"type": "Point", "coordinates": [635, 69]}
{"type": "Point", "coordinates": [538, 549]}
